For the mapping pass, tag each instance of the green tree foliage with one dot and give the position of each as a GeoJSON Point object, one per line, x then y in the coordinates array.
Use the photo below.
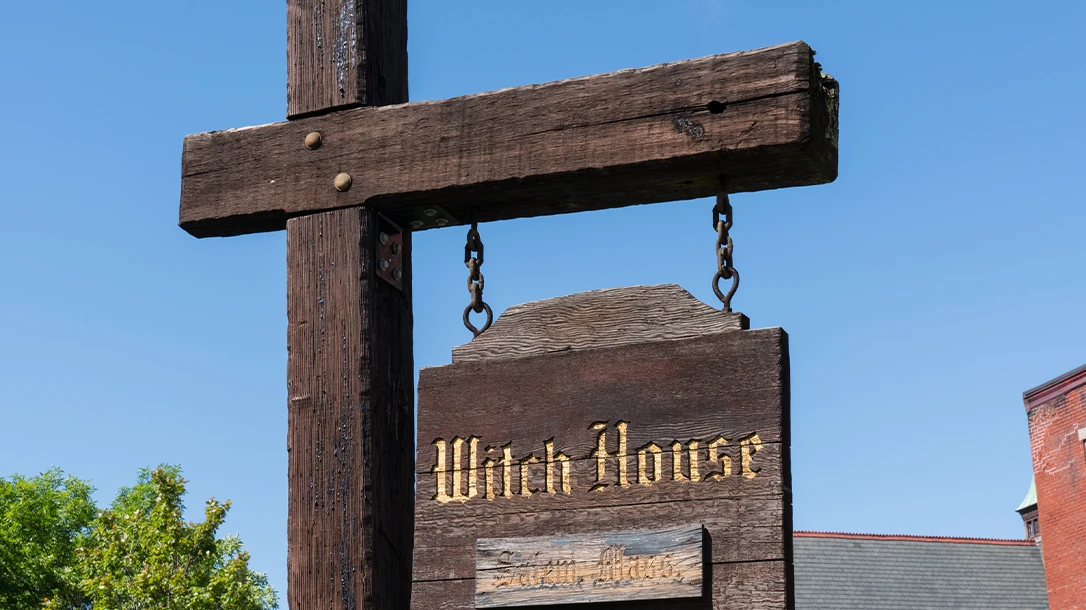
{"type": "Point", "coordinates": [141, 553]}
{"type": "Point", "coordinates": [58, 553]}
{"type": "Point", "coordinates": [40, 518]}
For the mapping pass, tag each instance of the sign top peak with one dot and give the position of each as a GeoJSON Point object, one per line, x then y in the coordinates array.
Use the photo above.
{"type": "Point", "coordinates": [596, 319]}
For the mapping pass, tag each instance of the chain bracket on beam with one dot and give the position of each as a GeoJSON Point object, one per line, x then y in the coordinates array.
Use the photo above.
{"type": "Point", "coordinates": [427, 217]}
{"type": "Point", "coordinates": [389, 252]}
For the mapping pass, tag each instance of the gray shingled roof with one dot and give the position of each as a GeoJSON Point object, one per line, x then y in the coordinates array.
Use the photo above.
{"type": "Point", "coordinates": [873, 574]}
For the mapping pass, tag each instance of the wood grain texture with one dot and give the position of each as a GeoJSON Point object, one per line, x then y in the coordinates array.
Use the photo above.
{"type": "Point", "coordinates": [712, 395]}
{"type": "Point", "coordinates": [755, 585]}
{"type": "Point", "coordinates": [764, 119]}
{"type": "Point", "coordinates": [350, 423]}
{"type": "Point", "coordinates": [345, 53]}
{"type": "Point", "coordinates": [745, 528]}
{"type": "Point", "coordinates": [590, 568]}
{"type": "Point", "coordinates": [587, 320]}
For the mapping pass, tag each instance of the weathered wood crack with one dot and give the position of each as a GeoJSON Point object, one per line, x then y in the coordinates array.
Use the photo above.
{"type": "Point", "coordinates": [696, 109]}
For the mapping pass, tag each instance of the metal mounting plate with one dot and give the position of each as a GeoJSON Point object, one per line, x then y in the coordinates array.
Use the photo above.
{"type": "Point", "coordinates": [389, 252]}
{"type": "Point", "coordinates": [420, 219]}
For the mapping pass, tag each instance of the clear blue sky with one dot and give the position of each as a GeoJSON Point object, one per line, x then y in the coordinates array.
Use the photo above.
{"type": "Point", "coordinates": [938, 278]}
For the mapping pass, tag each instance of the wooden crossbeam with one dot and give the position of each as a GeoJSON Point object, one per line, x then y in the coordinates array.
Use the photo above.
{"type": "Point", "coordinates": [763, 119]}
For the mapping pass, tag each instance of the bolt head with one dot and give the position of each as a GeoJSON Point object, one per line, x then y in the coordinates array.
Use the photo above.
{"type": "Point", "coordinates": [384, 264]}
{"type": "Point", "coordinates": [384, 238]}
{"type": "Point", "coordinates": [416, 224]}
{"type": "Point", "coordinates": [441, 222]}
{"type": "Point", "coordinates": [431, 212]}
{"type": "Point", "coordinates": [343, 182]}
{"type": "Point", "coordinates": [313, 140]}
{"type": "Point", "coordinates": [397, 274]}
{"type": "Point", "coordinates": [395, 247]}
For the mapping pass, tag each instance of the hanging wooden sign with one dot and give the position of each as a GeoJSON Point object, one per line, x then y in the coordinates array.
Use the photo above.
{"type": "Point", "coordinates": [577, 423]}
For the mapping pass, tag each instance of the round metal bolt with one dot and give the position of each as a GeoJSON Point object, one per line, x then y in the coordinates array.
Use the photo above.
{"type": "Point", "coordinates": [441, 222]}
{"type": "Point", "coordinates": [384, 264]}
{"type": "Point", "coordinates": [313, 141]}
{"type": "Point", "coordinates": [416, 224]}
{"type": "Point", "coordinates": [430, 212]}
{"type": "Point", "coordinates": [343, 182]}
{"type": "Point", "coordinates": [395, 247]}
{"type": "Point", "coordinates": [384, 238]}
{"type": "Point", "coordinates": [397, 274]}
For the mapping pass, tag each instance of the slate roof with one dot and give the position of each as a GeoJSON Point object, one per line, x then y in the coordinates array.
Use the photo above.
{"type": "Point", "coordinates": [855, 571]}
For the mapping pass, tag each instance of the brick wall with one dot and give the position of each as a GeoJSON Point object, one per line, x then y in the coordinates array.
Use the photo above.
{"type": "Point", "coordinates": [1057, 414]}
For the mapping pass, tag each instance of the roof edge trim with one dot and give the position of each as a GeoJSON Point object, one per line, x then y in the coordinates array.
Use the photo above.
{"type": "Point", "coordinates": [1064, 383]}
{"type": "Point", "coordinates": [913, 538]}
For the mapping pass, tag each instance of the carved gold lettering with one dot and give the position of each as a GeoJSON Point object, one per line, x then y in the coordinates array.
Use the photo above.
{"type": "Point", "coordinates": [715, 458]}
{"type": "Point", "coordinates": [651, 451]}
{"type": "Point", "coordinates": [507, 470]}
{"type": "Point", "coordinates": [567, 484]}
{"type": "Point", "coordinates": [439, 472]}
{"type": "Point", "coordinates": [563, 465]}
{"type": "Point", "coordinates": [473, 465]}
{"type": "Point", "coordinates": [472, 471]}
{"type": "Point", "coordinates": [748, 447]}
{"type": "Point", "coordinates": [488, 469]}
{"type": "Point", "coordinates": [525, 490]}
{"type": "Point", "coordinates": [677, 461]}
{"type": "Point", "coordinates": [457, 450]}
{"type": "Point", "coordinates": [457, 468]}
{"type": "Point", "coordinates": [601, 455]}
{"type": "Point", "coordinates": [692, 451]}
{"type": "Point", "coordinates": [548, 477]}
{"type": "Point", "coordinates": [622, 457]}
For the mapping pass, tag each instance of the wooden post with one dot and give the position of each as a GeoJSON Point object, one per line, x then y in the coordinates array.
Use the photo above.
{"type": "Point", "coordinates": [350, 368]}
{"type": "Point", "coordinates": [345, 53]}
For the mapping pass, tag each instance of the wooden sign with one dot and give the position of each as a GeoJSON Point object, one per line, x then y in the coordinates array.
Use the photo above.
{"type": "Point", "coordinates": [660, 564]}
{"type": "Point", "coordinates": [604, 413]}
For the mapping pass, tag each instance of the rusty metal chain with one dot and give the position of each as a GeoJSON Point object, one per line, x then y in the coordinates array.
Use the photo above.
{"type": "Point", "coordinates": [475, 281]}
{"type": "Point", "coordinates": [724, 249]}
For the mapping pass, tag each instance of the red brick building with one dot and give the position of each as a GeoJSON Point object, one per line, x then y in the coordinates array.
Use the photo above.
{"type": "Point", "coordinates": [1057, 431]}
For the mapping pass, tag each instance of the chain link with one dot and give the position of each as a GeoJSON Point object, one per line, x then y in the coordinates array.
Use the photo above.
{"type": "Point", "coordinates": [724, 249]}
{"type": "Point", "coordinates": [476, 282]}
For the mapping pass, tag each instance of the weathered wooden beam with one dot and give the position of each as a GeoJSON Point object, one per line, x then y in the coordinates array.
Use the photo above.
{"type": "Point", "coordinates": [350, 371]}
{"type": "Point", "coordinates": [763, 119]}
{"type": "Point", "coordinates": [345, 53]}
{"type": "Point", "coordinates": [350, 425]}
